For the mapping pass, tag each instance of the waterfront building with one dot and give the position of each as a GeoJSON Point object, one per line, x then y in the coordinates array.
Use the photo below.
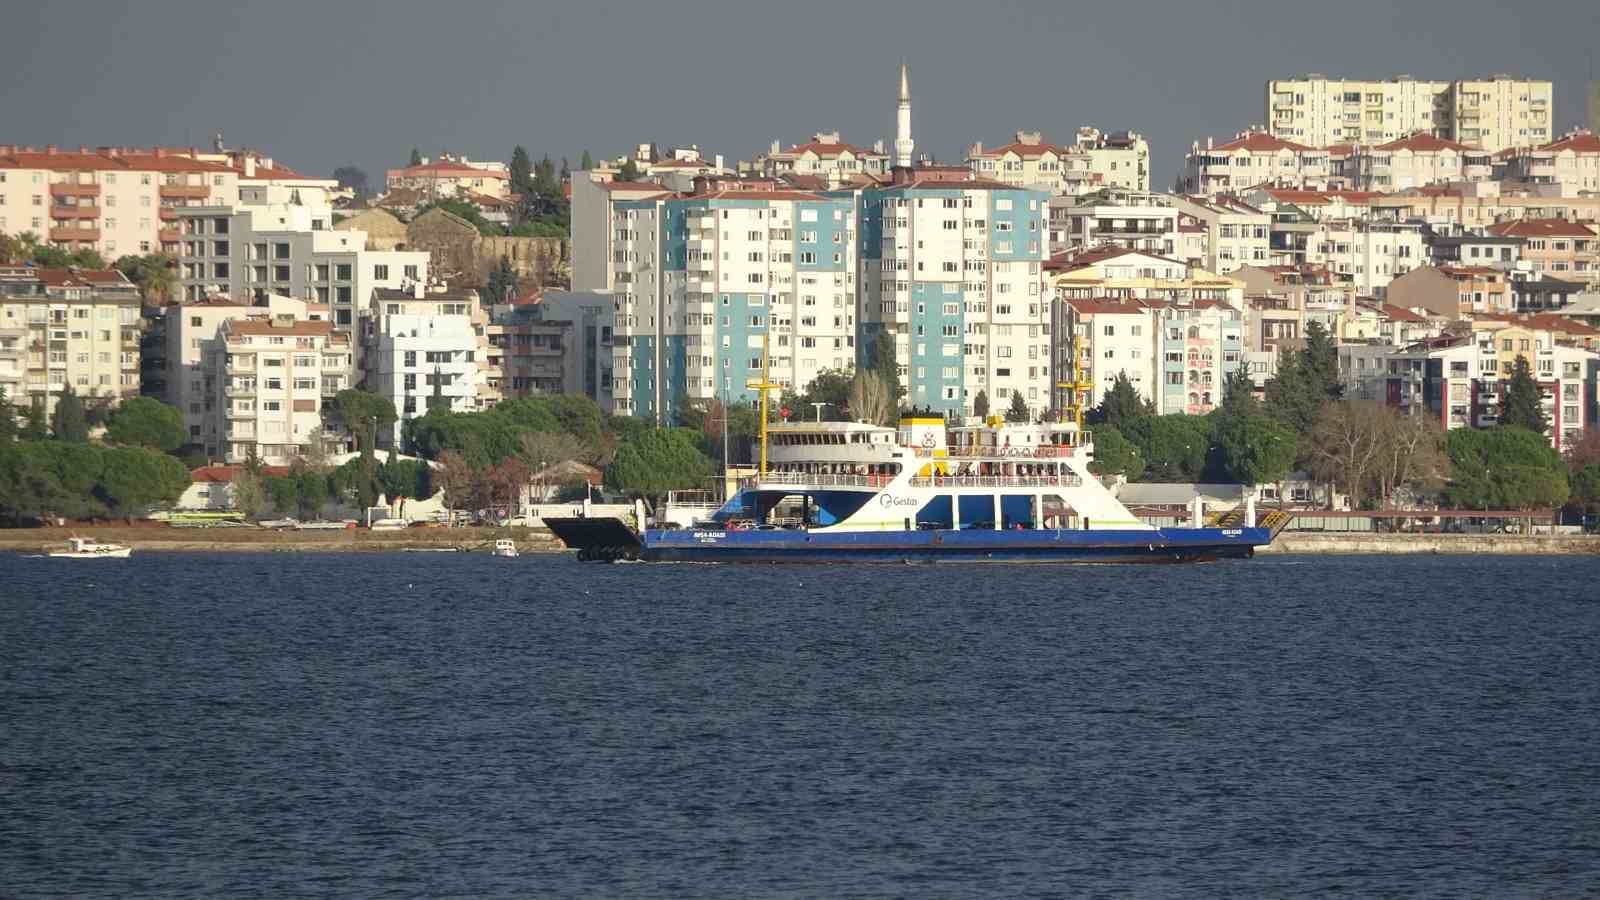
{"type": "Point", "coordinates": [69, 327]}
{"type": "Point", "coordinates": [700, 280]}
{"type": "Point", "coordinates": [271, 377]}
{"type": "Point", "coordinates": [290, 249]}
{"type": "Point", "coordinates": [1177, 354]}
{"type": "Point", "coordinates": [1460, 379]}
{"type": "Point", "coordinates": [425, 347]}
{"type": "Point", "coordinates": [192, 332]}
{"type": "Point", "coordinates": [1491, 114]}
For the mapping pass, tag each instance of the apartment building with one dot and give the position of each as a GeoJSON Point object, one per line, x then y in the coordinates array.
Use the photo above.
{"type": "Point", "coordinates": [271, 378]}
{"type": "Point", "coordinates": [1234, 233]}
{"type": "Point", "coordinates": [452, 176]}
{"type": "Point", "coordinates": [1119, 273]}
{"type": "Point", "coordinates": [1490, 114]}
{"type": "Point", "coordinates": [1282, 301]}
{"type": "Point", "coordinates": [1253, 159]}
{"type": "Point", "coordinates": [1415, 161]}
{"type": "Point", "coordinates": [1136, 220]}
{"type": "Point", "coordinates": [825, 156]}
{"type": "Point", "coordinates": [700, 281]}
{"type": "Point", "coordinates": [76, 327]}
{"type": "Point", "coordinates": [289, 249]}
{"type": "Point", "coordinates": [1031, 162]}
{"type": "Point", "coordinates": [1460, 379]}
{"type": "Point", "coordinates": [951, 274]}
{"type": "Point", "coordinates": [556, 343]}
{"type": "Point", "coordinates": [14, 362]}
{"type": "Point", "coordinates": [1119, 159]}
{"type": "Point", "coordinates": [1474, 205]}
{"type": "Point", "coordinates": [1556, 247]}
{"type": "Point", "coordinates": [1371, 254]}
{"type": "Point", "coordinates": [593, 229]}
{"type": "Point", "coordinates": [1177, 355]}
{"type": "Point", "coordinates": [1476, 249]}
{"type": "Point", "coordinates": [1454, 292]}
{"type": "Point", "coordinates": [1572, 162]}
{"type": "Point", "coordinates": [424, 347]}
{"type": "Point", "coordinates": [192, 333]}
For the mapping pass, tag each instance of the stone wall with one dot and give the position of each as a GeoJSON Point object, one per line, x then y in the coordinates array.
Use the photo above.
{"type": "Point", "coordinates": [544, 260]}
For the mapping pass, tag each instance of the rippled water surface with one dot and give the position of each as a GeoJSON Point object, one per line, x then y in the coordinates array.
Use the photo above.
{"type": "Point", "coordinates": [419, 725]}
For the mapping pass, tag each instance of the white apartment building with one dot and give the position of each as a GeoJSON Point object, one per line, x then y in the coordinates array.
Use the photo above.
{"type": "Point", "coordinates": [1370, 254]}
{"type": "Point", "coordinates": [1032, 162]}
{"type": "Point", "coordinates": [1573, 162]}
{"type": "Point", "coordinates": [77, 327]}
{"type": "Point", "coordinates": [700, 281]}
{"type": "Point", "coordinates": [951, 274]}
{"type": "Point", "coordinates": [271, 377]}
{"type": "Point", "coordinates": [1253, 159]}
{"type": "Point", "coordinates": [825, 156]}
{"type": "Point", "coordinates": [1119, 159]}
{"type": "Point", "coordinates": [1137, 220]}
{"type": "Point", "coordinates": [1176, 354]}
{"type": "Point", "coordinates": [1490, 114]}
{"type": "Point", "coordinates": [1415, 161]}
{"type": "Point", "coordinates": [251, 251]}
{"type": "Point", "coordinates": [422, 344]}
{"type": "Point", "coordinates": [1236, 234]}
{"type": "Point", "coordinates": [452, 176]}
{"type": "Point", "coordinates": [192, 332]}
{"type": "Point", "coordinates": [592, 229]}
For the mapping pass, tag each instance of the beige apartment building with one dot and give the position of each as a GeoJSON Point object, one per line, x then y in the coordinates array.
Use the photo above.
{"type": "Point", "coordinates": [1573, 162]}
{"type": "Point", "coordinates": [77, 327]}
{"type": "Point", "coordinates": [1491, 114]}
{"type": "Point", "coordinates": [1556, 247]}
{"type": "Point", "coordinates": [452, 176]}
{"type": "Point", "coordinates": [1094, 160]}
{"type": "Point", "coordinates": [1253, 159]}
{"type": "Point", "coordinates": [1478, 205]}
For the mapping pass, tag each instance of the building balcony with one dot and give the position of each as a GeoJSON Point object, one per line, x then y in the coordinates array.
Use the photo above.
{"type": "Point", "coordinates": [242, 391]}
{"type": "Point", "coordinates": [169, 214]}
{"type": "Point", "coordinates": [75, 233]}
{"type": "Point", "coordinates": [80, 211]}
{"type": "Point", "coordinates": [184, 192]}
{"type": "Point", "coordinates": [169, 235]}
{"type": "Point", "coordinates": [240, 413]}
{"type": "Point", "coordinates": [68, 189]}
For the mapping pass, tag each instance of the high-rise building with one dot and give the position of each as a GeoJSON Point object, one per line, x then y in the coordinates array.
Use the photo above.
{"type": "Point", "coordinates": [425, 348]}
{"type": "Point", "coordinates": [1491, 114]}
{"type": "Point", "coordinates": [69, 327]}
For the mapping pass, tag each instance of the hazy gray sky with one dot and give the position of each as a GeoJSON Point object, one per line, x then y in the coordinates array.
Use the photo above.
{"type": "Point", "coordinates": [322, 83]}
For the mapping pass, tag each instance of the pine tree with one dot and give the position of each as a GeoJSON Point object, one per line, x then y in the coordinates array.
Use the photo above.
{"type": "Point", "coordinates": [887, 365]}
{"type": "Point", "coordinates": [437, 401]}
{"type": "Point", "coordinates": [586, 163]}
{"type": "Point", "coordinates": [1019, 410]}
{"type": "Point", "coordinates": [71, 422]}
{"type": "Point", "coordinates": [1120, 405]}
{"type": "Point", "coordinates": [416, 157]}
{"type": "Point", "coordinates": [521, 172]}
{"type": "Point", "coordinates": [8, 419]}
{"type": "Point", "coordinates": [980, 405]}
{"type": "Point", "coordinates": [1238, 396]}
{"type": "Point", "coordinates": [1522, 404]}
{"type": "Point", "coordinates": [1320, 361]}
{"type": "Point", "coordinates": [35, 424]}
{"type": "Point", "coordinates": [629, 171]}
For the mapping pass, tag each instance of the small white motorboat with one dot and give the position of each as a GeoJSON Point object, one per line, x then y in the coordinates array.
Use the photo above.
{"type": "Point", "coordinates": [505, 547]}
{"type": "Point", "coordinates": [89, 548]}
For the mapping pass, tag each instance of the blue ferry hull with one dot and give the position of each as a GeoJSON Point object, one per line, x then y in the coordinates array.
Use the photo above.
{"type": "Point", "coordinates": [609, 539]}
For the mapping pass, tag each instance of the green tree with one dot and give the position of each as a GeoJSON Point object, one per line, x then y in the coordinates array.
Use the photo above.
{"type": "Point", "coordinates": [1522, 405]}
{"type": "Point", "coordinates": [465, 210]}
{"type": "Point", "coordinates": [155, 273]}
{"type": "Point", "coordinates": [35, 424]}
{"type": "Point", "coordinates": [886, 363]}
{"type": "Point", "coordinates": [1120, 405]}
{"type": "Point", "coordinates": [416, 157]}
{"type": "Point", "coordinates": [9, 428]}
{"type": "Point", "coordinates": [980, 405]}
{"type": "Point", "coordinates": [70, 422]}
{"type": "Point", "coordinates": [521, 171]}
{"type": "Point", "coordinates": [1238, 396]}
{"type": "Point", "coordinates": [284, 492]}
{"type": "Point", "coordinates": [353, 178]}
{"type": "Point", "coordinates": [1115, 454]}
{"type": "Point", "coordinates": [1174, 447]}
{"type": "Point", "coordinates": [311, 492]}
{"type": "Point", "coordinates": [586, 162]}
{"type": "Point", "coordinates": [629, 171]}
{"type": "Point", "coordinates": [1504, 468]}
{"type": "Point", "coordinates": [248, 493]}
{"type": "Point", "coordinates": [1320, 362]}
{"type": "Point", "coordinates": [661, 460]}
{"type": "Point", "coordinates": [146, 422]}
{"type": "Point", "coordinates": [503, 281]}
{"type": "Point", "coordinates": [1018, 411]}
{"type": "Point", "coordinates": [1586, 488]}
{"type": "Point", "coordinates": [362, 413]}
{"type": "Point", "coordinates": [133, 479]}
{"type": "Point", "coordinates": [1255, 449]}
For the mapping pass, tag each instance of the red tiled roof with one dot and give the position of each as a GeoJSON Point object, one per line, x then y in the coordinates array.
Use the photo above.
{"type": "Point", "coordinates": [1423, 142]}
{"type": "Point", "coordinates": [1080, 259]}
{"type": "Point", "coordinates": [271, 173]}
{"type": "Point", "coordinates": [1026, 151]}
{"type": "Point", "coordinates": [1469, 271]}
{"type": "Point", "coordinates": [107, 161]}
{"type": "Point", "coordinates": [804, 182]}
{"type": "Point", "coordinates": [1400, 313]}
{"type": "Point", "coordinates": [1259, 142]}
{"type": "Point", "coordinates": [226, 474]}
{"type": "Point", "coordinates": [1319, 198]}
{"type": "Point", "coordinates": [446, 169]}
{"type": "Point", "coordinates": [1109, 306]}
{"type": "Point", "coordinates": [261, 326]}
{"type": "Point", "coordinates": [1541, 228]}
{"type": "Point", "coordinates": [683, 164]}
{"type": "Point", "coordinates": [60, 278]}
{"type": "Point", "coordinates": [829, 150]}
{"type": "Point", "coordinates": [1578, 142]}
{"type": "Point", "coordinates": [736, 194]}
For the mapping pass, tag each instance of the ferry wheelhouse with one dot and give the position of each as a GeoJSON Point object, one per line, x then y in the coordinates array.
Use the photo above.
{"type": "Point", "coordinates": [922, 492]}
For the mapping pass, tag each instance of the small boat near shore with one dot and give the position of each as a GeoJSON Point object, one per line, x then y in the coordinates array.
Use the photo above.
{"type": "Point", "coordinates": [89, 548]}
{"type": "Point", "coordinates": [506, 547]}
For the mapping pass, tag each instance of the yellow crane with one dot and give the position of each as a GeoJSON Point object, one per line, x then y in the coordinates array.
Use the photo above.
{"type": "Point", "coordinates": [763, 385]}
{"type": "Point", "coordinates": [1077, 388]}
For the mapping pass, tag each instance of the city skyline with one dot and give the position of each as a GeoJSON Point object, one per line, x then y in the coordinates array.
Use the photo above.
{"type": "Point", "coordinates": [351, 89]}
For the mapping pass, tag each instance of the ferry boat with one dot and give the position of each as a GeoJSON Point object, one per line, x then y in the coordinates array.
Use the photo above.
{"type": "Point", "coordinates": [923, 492]}
{"type": "Point", "coordinates": [89, 548]}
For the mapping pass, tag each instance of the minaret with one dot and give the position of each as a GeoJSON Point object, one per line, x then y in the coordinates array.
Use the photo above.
{"type": "Point", "coordinates": [903, 144]}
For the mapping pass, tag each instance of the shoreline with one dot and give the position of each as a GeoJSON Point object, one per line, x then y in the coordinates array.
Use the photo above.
{"type": "Point", "coordinates": [1313, 543]}
{"type": "Point", "coordinates": [143, 538]}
